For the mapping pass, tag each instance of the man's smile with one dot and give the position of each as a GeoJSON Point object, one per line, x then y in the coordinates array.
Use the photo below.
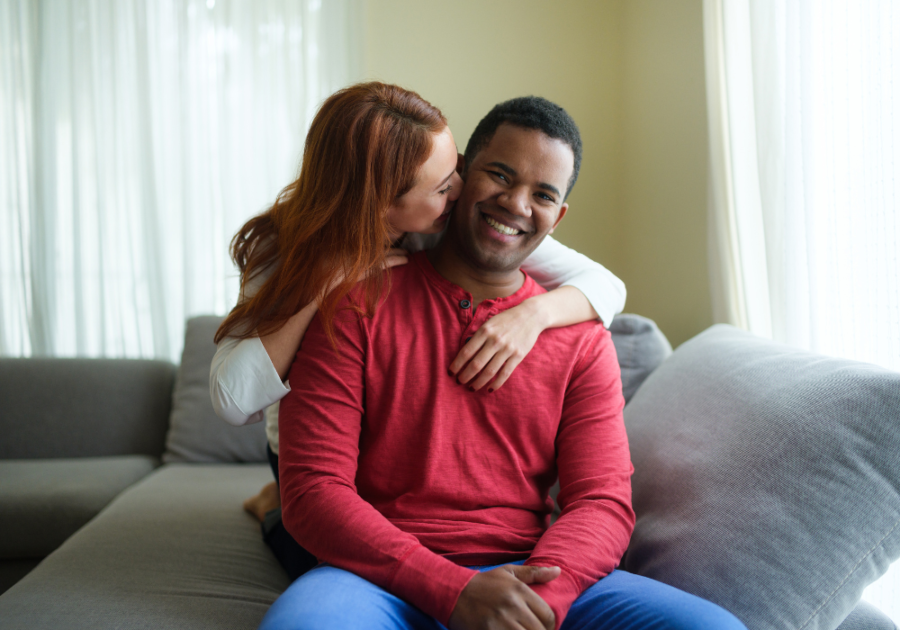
{"type": "Point", "coordinates": [501, 226]}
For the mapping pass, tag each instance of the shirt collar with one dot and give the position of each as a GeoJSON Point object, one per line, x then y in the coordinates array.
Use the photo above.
{"type": "Point", "coordinates": [458, 293]}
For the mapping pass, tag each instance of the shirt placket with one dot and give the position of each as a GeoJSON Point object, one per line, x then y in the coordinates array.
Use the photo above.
{"type": "Point", "coordinates": [467, 318]}
{"type": "Point", "coordinates": [472, 318]}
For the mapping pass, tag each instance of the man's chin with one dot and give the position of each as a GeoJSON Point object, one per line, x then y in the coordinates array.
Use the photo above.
{"type": "Point", "coordinates": [496, 262]}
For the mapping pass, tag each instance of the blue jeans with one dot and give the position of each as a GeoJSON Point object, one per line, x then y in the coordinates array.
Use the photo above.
{"type": "Point", "coordinates": [328, 597]}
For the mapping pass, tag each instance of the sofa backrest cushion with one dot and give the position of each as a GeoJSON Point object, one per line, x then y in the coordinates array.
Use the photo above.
{"type": "Point", "coordinates": [196, 433]}
{"type": "Point", "coordinates": [52, 408]}
{"type": "Point", "coordinates": [767, 479]}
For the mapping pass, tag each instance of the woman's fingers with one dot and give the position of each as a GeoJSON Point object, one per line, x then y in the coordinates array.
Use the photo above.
{"type": "Point", "coordinates": [502, 374]}
{"type": "Point", "coordinates": [393, 261]}
{"type": "Point", "coordinates": [469, 349]}
{"type": "Point", "coordinates": [396, 256]}
{"type": "Point", "coordinates": [494, 352]}
{"type": "Point", "coordinates": [483, 376]}
{"type": "Point", "coordinates": [484, 363]}
{"type": "Point", "coordinates": [476, 354]}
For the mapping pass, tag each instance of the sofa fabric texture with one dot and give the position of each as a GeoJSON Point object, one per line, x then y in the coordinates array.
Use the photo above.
{"type": "Point", "coordinates": [640, 347]}
{"type": "Point", "coordinates": [45, 502]}
{"type": "Point", "coordinates": [767, 479]}
{"type": "Point", "coordinates": [867, 617]}
{"type": "Point", "coordinates": [84, 407]}
{"type": "Point", "coordinates": [196, 434]}
{"type": "Point", "coordinates": [173, 551]}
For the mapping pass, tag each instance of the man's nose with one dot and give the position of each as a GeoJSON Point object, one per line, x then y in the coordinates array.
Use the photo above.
{"type": "Point", "coordinates": [516, 201]}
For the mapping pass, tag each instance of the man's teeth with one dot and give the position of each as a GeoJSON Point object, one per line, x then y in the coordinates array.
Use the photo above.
{"type": "Point", "coordinates": [500, 227]}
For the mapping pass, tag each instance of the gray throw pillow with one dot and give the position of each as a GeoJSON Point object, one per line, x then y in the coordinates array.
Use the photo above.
{"type": "Point", "coordinates": [767, 479]}
{"type": "Point", "coordinates": [196, 433]}
{"type": "Point", "coordinates": [640, 348]}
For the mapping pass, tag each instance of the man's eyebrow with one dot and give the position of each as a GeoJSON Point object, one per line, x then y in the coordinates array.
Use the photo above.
{"type": "Point", "coordinates": [511, 171]}
{"type": "Point", "coordinates": [506, 168]}
{"type": "Point", "coordinates": [550, 187]}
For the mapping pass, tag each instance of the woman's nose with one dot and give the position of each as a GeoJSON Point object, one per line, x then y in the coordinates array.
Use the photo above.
{"type": "Point", "coordinates": [457, 185]}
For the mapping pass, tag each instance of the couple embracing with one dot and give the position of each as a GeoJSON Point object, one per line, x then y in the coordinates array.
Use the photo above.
{"type": "Point", "coordinates": [438, 362]}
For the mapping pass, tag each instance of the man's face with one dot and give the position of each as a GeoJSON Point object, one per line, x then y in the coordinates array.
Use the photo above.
{"type": "Point", "coordinates": [512, 198]}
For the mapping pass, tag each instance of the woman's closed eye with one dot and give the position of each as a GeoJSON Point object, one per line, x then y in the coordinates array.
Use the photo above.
{"type": "Point", "coordinates": [446, 190]}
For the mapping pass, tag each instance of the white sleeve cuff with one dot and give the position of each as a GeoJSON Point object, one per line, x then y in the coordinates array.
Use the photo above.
{"type": "Point", "coordinates": [553, 265]}
{"type": "Point", "coordinates": [243, 381]}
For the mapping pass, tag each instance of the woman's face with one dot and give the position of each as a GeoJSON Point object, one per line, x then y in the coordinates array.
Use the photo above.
{"type": "Point", "coordinates": [427, 205]}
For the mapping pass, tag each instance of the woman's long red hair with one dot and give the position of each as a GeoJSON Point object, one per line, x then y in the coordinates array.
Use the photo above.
{"type": "Point", "coordinates": [363, 150]}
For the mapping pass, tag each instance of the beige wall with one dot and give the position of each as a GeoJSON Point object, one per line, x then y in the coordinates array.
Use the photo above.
{"type": "Point", "coordinates": [631, 74]}
{"type": "Point", "coordinates": [664, 166]}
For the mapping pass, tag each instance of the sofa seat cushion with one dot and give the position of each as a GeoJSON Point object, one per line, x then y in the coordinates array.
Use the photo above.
{"type": "Point", "coordinates": [176, 550]}
{"type": "Point", "coordinates": [44, 501]}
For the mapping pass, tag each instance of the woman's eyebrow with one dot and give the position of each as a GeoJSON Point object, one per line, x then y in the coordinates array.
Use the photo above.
{"type": "Point", "coordinates": [446, 179]}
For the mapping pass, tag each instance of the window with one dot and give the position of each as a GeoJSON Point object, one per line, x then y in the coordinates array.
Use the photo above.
{"type": "Point", "coordinates": [805, 158]}
{"type": "Point", "coordinates": [135, 139]}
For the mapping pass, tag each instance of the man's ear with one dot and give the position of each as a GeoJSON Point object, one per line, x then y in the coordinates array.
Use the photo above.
{"type": "Point", "coordinates": [562, 213]}
{"type": "Point", "coordinates": [461, 165]}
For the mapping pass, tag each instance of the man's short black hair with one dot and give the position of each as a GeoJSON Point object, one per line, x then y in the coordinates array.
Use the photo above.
{"type": "Point", "coordinates": [530, 112]}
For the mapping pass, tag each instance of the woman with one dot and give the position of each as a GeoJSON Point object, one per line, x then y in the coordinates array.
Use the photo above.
{"type": "Point", "coordinates": [379, 169]}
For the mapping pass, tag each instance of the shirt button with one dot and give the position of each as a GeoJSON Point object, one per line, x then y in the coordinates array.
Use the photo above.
{"type": "Point", "coordinates": [464, 304]}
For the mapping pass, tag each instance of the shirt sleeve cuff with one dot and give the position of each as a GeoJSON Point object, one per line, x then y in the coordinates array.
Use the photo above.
{"type": "Point", "coordinates": [606, 298]}
{"type": "Point", "coordinates": [431, 582]}
{"type": "Point", "coordinates": [559, 594]}
{"type": "Point", "coordinates": [554, 265]}
{"type": "Point", "coordinates": [244, 382]}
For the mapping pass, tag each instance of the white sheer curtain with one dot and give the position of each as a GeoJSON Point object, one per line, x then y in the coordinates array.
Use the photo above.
{"type": "Point", "coordinates": [136, 136]}
{"type": "Point", "coordinates": [804, 107]}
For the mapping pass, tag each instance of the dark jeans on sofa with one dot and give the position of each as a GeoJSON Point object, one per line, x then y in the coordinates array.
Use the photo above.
{"type": "Point", "coordinates": [295, 559]}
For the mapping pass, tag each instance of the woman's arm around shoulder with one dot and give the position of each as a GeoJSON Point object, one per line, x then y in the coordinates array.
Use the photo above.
{"type": "Point", "coordinates": [242, 381]}
{"type": "Point", "coordinates": [553, 265]}
{"type": "Point", "coordinates": [247, 375]}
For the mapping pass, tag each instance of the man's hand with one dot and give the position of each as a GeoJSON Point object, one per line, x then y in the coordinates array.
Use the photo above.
{"type": "Point", "coordinates": [500, 598]}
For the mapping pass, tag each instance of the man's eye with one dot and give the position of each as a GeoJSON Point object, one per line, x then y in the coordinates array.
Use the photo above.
{"type": "Point", "coordinates": [500, 176]}
{"type": "Point", "coordinates": [546, 197]}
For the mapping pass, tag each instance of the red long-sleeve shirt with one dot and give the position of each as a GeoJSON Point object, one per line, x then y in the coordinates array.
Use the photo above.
{"type": "Point", "coordinates": [392, 470]}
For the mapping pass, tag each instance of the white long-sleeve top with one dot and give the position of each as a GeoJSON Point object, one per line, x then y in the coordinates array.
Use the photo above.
{"type": "Point", "coordinates": [245, 387]}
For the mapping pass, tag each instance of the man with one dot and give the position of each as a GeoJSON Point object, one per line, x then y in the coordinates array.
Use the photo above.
{"type": "Point", "coordinates": [403, 480]}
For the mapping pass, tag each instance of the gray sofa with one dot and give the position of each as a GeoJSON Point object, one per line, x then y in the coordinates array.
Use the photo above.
{"type": "Point", "coordinates": [120, 491]}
